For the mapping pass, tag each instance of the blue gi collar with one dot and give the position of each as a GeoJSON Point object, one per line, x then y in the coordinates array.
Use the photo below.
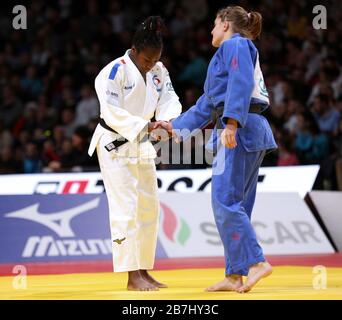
{"type": "Point", "coordinates": [236, 34]}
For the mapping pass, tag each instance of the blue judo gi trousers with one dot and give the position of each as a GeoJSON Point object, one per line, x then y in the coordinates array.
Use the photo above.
{"type": "Point", "coordinates": [233, 194]}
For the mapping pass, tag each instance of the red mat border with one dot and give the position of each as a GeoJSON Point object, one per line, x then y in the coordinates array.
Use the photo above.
{"type": "Point", "coordinates": [327, 260]}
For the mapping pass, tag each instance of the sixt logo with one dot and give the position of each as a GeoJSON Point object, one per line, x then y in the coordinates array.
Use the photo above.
{"type": "Point", "coordinates": [176, 230]}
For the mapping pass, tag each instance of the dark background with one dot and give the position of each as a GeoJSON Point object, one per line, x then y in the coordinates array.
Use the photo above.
{"type": "Point", "coordinates": [48, 107]}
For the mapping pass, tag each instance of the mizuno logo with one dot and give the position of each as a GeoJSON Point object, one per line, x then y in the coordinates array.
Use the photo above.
{"type": "Point", "coordinates": [59, 222]}
{"type": "Point", "coordinates": [119, 241]}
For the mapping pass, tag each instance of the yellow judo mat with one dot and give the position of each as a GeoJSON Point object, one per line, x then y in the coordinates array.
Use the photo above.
{"type": "Point", "coordinates": [286, 282]}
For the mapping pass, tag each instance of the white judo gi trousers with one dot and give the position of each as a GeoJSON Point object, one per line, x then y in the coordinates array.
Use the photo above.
{"type": "Point", "coordinates": [131, 187]}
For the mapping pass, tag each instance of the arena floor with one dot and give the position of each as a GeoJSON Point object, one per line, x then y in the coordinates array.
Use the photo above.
{"type": "Point", "coordinates": [293, 278]}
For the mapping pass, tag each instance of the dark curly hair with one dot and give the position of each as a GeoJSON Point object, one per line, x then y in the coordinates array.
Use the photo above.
{"type": "Point", "coordinates": [149, 34]}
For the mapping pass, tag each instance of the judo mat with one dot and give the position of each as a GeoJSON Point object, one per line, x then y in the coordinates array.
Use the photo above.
{"type": "Point", "coordinates": [309, 281]}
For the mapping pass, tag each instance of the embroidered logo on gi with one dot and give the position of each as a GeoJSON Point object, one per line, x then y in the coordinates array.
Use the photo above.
{"type": "Point", "coordinates": [262, 87]}
{"type": "Point", "coordinates": [169, 86]}
{"type": "Point", "coordinates": [119, 241]}
{"type": "Point", "coordinates": [172, 226]}
{"type": "Point", "coordinates": [113, 94]}
{"type": "Point", "coordinates": [129, 86]}
{"type": "Point", "coordinates": [235, 235]}
{"type": "Point", "coordinates": [234, 63]}
{"type": "Point", "coordinates": [157, 82]}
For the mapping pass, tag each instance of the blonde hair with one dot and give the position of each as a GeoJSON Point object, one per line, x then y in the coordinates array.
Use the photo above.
{"type": "Point", "coordinates": [247, 24]}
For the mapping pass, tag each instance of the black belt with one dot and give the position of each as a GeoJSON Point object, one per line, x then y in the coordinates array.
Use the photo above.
{"type": "Point", "coordinates": [106, 126]}
{"type": "Point", "coordinates": [118, 142]}
{"type": "Point", "coordinates": [217, 113]}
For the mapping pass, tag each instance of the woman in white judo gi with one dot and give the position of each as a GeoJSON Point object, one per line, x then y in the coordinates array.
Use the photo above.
{"type": "Point", "coordinates": [132, 90]}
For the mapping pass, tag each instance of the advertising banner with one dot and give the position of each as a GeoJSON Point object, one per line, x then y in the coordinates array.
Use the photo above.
{"type": "Point", "coordinates": [298, 179]}
{"type": "Point", "coordinates": [44, 228]}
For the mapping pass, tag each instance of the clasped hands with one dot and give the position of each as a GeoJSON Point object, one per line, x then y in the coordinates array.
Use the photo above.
{"type": "Point", "coordinates": [160, 130]}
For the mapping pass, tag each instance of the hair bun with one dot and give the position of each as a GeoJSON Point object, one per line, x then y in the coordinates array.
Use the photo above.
{"type": "Point", "coordinates": [153, 24]}
{"type": "Point", "coordinates": [149, 33]}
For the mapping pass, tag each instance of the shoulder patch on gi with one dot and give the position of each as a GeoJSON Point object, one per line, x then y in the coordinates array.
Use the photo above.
{"type": "Point", "coordinates": [114, 71]}
{"type": "Point", "coordinates": [234, 63]}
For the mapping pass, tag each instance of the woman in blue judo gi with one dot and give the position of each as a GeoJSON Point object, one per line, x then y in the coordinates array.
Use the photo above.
{"type": "Point", "coordinates": [236, 95]}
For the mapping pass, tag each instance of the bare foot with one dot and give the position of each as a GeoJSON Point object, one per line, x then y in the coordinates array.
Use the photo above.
{"type": "Point", "coordinates": [151, 280]}
{"type": "Point", "coordinates": [255, 273]}
{"type": "Point", "coordinates": [137, 282]}
{"type": "Point", "coordinates": [229, 283]}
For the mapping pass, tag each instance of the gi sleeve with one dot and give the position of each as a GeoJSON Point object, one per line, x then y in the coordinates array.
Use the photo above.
{"type": "Point", "coordinates": [168, 106]}
{"type": "Point", "coordinates": [238, 61]}
{"type": "Point", "coordinates": [112, 111]}
{"type": "Point", "coordinates": [197, 117]}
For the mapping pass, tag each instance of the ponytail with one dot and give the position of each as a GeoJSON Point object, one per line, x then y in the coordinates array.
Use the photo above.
{"type": "Point", "coordinates": [254, 25]}
{"type": "Point", "coordinates": [247, 24]}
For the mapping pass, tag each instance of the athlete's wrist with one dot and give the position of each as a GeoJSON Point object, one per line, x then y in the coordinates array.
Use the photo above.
{"type": "Point", "coordinates": [232, 122]}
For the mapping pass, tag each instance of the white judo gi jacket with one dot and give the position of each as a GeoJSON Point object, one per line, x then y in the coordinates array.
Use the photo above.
{"type": "Point", "coordinates": [127, 103]}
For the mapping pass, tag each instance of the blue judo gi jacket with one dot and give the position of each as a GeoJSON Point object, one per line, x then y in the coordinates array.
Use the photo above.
{"type": "Point", "coordinates": [234, 79]}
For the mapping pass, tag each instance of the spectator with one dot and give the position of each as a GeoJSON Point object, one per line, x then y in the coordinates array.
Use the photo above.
{"type": "Point", "coordinates": [286, 154]}
{"type": "Point", "coordinates": [68, 121]}
{"type": "Point", "coordinates": [195, 71]}
{"type": "Point", "coordinates": [326, 116]}
{"type": "Point", "coordinates": [88, 108]}
{"type": "Point", "coordinates": [31, 161]}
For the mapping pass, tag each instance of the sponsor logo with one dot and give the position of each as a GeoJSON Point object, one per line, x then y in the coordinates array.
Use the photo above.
{"type": "Point", "coordinates": [169, 86]}
{"type": "Point", "coordinates": [47, 246]}
{"type": "Point", "coordinates": [271, 179]}
{"type": "Point", "coordinates": [56, 234]}
{"type": "Point", "coordinates": [69, 186]}
{"type": "Point", "coordinates": [175, 229]}
{"type": "Point", "coordinates": [119, 241]}
{"type": "Point", "coordinates": [262, 87]}
{"type": "Point", "coordinates": [59, 222]}
{"type": "Point", "coordinates": [113, 94]}
{"type": "Point", "coordinates": [129, 86]}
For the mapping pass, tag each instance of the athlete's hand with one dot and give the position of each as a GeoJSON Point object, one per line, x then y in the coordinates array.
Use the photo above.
{"type": "Point", "coordinates": [160, 131]}
{"type": "Point", "coordinates": [228, 136]}
{"type": "Point", "coordinates": [167, 125]}
{"type": "Point", "coordinates": [153, 125]}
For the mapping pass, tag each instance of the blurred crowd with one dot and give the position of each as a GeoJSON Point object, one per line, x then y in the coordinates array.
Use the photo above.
{"type": "Point", "coordinates": [48, 107]}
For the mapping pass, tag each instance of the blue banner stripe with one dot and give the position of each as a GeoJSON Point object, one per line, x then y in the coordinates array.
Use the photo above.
{"type": "Point", "coordinates": [114, 71]}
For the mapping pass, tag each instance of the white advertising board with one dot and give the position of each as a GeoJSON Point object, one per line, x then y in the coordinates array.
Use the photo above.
{"type": "Point", "coordinates": [298, 179]}
{"type": "Point", "coordinates": [282, 221]}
